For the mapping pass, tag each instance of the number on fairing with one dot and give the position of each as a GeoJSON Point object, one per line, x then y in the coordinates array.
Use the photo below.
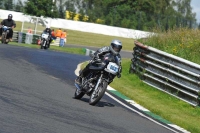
{"type": "Point", "coordinates": [45, 36]}
{"type": "Point", "coordinates": [5, 28]}
{"type": "Point", "coordinates": [113, 67]}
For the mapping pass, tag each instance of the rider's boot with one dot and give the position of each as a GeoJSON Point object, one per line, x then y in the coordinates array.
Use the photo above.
{"type": "Point", "coordinates": [78, 80]}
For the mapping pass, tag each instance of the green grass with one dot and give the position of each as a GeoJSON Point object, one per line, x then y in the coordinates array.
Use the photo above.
{"type": "Point", "coordinates": [54, 48]}
{"type": "Point", "coordinates": [97, 40]}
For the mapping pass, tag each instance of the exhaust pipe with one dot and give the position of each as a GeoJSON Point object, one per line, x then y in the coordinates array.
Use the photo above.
{"type": "Point", "coordinates": [77, 86]}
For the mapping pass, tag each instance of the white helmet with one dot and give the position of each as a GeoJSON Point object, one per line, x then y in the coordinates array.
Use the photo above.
{"type": "Point", "coordinates": [47, 26]}
{"type": "Point", "coordinates": [115, 46]}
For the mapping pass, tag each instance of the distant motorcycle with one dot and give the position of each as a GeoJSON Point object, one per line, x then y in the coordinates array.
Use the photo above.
{"type": "Point", "coordinates": [102, 73]}
{"type": "Point", "coordinates": [45, 40]}
{"type": "Point", "coordinates": [5, 32]}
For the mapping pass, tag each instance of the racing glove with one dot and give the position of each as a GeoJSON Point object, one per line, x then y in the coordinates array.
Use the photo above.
{"type": "Point", "coordinates": [119, 73]}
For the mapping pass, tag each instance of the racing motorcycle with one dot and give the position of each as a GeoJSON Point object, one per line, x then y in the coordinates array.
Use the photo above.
{"type": "Point", "coordinates": [5, 32]}
{"type": "Point", "coordinates": [45, 40]}
{"type": "Point", "coordinates": [102, 72]}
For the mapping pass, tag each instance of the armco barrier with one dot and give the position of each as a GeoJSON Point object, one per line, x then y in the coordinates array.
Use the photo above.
{"type": "Point", "coordinates": [89, 52]}
{"type": "Point", "coordinates": [28, 38]}
{"type": "Point", "coordinates": [168, 73]}
{"type": "Point", "coordinates": [15, 36]}
{"type": "Point", "coordinates": [56, 42]}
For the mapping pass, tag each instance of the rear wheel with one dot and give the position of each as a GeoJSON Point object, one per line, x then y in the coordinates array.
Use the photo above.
{"type": "Point", "coordinates": [98, 93]}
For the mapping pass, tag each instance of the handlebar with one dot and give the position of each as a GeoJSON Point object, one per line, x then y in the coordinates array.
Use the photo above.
{"type": "Point", "coordinates": [6, 26]}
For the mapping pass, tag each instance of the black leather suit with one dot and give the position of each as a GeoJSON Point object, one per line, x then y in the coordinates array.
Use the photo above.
{"type": "Point", "coordinates": [99, 54]}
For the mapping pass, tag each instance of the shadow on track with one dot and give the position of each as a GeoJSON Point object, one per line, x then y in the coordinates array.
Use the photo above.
{"type": "Point", "coordinates": [99, 104]}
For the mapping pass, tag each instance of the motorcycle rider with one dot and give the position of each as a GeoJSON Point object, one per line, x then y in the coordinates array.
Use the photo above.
{"type": "Point", "coordinates": [10, 23]}
{"type": "Point", "coordinates": [48, 30]}
{"type": "Point", "coordinates": [114, 48]}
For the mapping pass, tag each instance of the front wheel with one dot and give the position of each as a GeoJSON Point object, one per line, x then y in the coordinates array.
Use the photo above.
{"type": "Point", "coordinates": [3, 39]}
{"type": "Point", "coordinates": [98, 93]}
{"type": "Point", "coordinates": [43, 44]}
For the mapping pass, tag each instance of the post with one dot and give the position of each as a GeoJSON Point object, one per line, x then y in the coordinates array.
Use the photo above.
{"type": "Point", "coordinates": [22, 26]}
{"type": "Point", "coordinates": [36, 26]}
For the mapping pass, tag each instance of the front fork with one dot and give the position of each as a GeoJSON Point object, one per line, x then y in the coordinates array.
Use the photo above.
{"type": "Point", "coordinates": [98, 82]}
{"type": "Point", "coordinates": [44, 43]}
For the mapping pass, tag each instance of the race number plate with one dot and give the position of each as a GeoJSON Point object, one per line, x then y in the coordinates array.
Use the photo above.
{"type": "Point", "coordinates": [112, 68]}
{"type": "Point", "coordinates": [45, 36]}
{"type": "Point", "coordinates": [5, 28]}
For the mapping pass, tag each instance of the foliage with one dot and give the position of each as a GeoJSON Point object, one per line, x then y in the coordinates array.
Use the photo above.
{"type": "Point", "coordinates": [136, 14]}
{"type": "Point", "coordinates": [19, 6]}
{"type": "Point", "coordinates": [40, 8]}
{"type": "Point", "coordinates": [1, 5]}
{"type": "Point", "coordinates": [7, 4]}
{"type": "Point", "coordinates": [61, 9]}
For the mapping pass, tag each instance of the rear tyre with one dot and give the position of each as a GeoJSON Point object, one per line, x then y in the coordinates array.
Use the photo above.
{"type": "Point", "coordinates": [98, 94]}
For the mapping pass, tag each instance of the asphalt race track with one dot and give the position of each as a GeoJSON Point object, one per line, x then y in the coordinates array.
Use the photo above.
{"type": "Point", "coordinates": [36, 96]}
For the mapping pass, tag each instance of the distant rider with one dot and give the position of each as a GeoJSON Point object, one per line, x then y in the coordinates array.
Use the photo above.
{"type": "Point", "coordinates": [9, 23]}
{"type": "Point", "coordinates": [48, 30]}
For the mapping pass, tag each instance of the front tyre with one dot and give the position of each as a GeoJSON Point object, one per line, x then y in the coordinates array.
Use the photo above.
{"type": "Point", "coordinates": [98, 93]}
{"type": "Point", "coordinates": [3, 38]}
{"type": "Point", "coordinates": [43, 44]}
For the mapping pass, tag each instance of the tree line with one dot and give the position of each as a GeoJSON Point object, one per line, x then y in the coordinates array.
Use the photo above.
{"type": "Point", "coordinates": [134, 14]}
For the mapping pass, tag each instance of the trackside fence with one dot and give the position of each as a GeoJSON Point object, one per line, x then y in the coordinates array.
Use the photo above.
{"type": "Point", "coordinates": [27, 38]}
{"type": "Point", "coordinates": [168, 73]}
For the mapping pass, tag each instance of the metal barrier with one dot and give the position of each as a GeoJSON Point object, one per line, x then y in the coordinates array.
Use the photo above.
{"type": "Point", "coordinates": [168, 73]}
{"type": "Point", "coordinates": [89, 52]}
{"type": "Point", "coordinates": [27, 38]}
{"type": "Point", "coordinates": [56, 42]}
{"type": "Point", "coordinates": [15, 36]}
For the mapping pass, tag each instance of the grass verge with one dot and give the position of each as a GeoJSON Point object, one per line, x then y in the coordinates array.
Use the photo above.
{"type": "Point", "coordinates": [54, 48]}
{"type": "Point", "coordinates": [158, 102]}
{"type": "Point", "coordinates": [181, 42]}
